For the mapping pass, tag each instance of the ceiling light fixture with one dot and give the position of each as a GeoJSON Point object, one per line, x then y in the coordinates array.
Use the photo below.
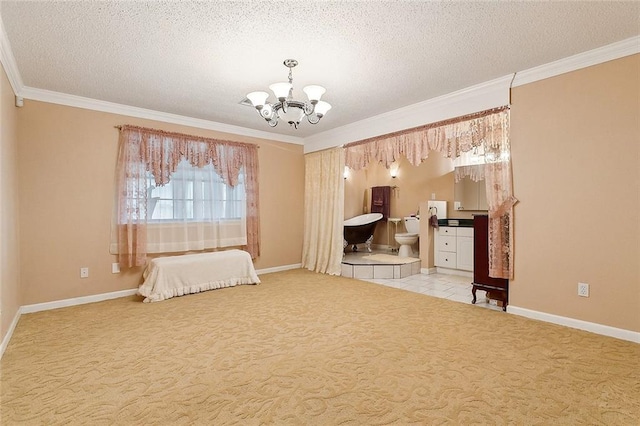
{"type": "Point", "coordinates": [287, 108]}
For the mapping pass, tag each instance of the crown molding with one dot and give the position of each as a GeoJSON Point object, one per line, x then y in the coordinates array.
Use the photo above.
{"type": "Point", "coordinates": [617, 50]}
{"type": "Point", "coordinates": [472, 99]}
{"type": "Point", "coordinates": [9, 62]}
{"type": "Point", "coordinates": [131, 111]}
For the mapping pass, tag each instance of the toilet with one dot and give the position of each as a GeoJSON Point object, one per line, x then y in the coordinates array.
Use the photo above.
{"type": "Point", "coordinates": [409, 238]}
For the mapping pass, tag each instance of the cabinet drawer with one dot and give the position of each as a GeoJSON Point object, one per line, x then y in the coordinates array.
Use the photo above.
{"type": "Point", "coordinates": [446, 259]}
{"type": "Point", "coordinates": [447, 230]}
{"type": "Point", "coordinates": [465, 232]}
{"type": "Point", "coordinates": [446, 243]}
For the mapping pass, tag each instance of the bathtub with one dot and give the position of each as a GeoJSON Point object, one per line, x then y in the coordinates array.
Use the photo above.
{"type": "Point", "coordinates": [359, 230]}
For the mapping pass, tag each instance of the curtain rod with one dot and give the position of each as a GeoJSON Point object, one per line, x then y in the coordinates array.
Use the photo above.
{"type": "Point", "coordinates": [184, 135]}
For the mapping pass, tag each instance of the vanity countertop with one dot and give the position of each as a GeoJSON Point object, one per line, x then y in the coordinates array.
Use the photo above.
{"type": "Point", "coordinates": [460, 223]}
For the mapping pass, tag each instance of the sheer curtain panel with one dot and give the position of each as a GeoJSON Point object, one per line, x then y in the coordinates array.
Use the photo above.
{"type": "Point", "coordinates": [177, 193]}
{"type": "Point", "coordinates": [323, 211]}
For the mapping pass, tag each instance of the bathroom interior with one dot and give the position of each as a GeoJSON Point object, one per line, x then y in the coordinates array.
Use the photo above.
{"type": "Point", "coordinates": [412, 187]}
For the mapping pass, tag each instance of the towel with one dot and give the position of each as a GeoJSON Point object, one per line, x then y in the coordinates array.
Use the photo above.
{"type": "Point", "coordinates": [433, 221]}
{"type": "Point", "coordinates": [381, 200]}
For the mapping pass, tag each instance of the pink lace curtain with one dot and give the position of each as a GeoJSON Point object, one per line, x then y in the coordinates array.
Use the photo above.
{"type": "Point", "coordinates": [487, 129]}
{"type": "Point", "coordinates": [142, 150]}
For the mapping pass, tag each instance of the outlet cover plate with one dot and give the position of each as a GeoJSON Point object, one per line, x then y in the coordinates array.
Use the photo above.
{"type": "Point", "coordinates": [583, 289]}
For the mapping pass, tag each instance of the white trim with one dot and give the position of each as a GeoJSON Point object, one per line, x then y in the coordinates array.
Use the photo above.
{"type": "Point", "coordinates": [604, 330]}
{"type": "Point", "coordinates": [9, 62]}
{"type": "Point", "coordinates": [472, 99]}
{"type": "Point", "coordinates": [46, 306]}
{"type": "Point", "coordinates": [428, 271]}
{"type": "Point", "coordinates": [7, 337]}
{"type": "Point", "coordinates": [131, 111]}
{"type": "Point", "coordinates": [279, 268]}
{"type": "Point", "coordinates": [623, 48]}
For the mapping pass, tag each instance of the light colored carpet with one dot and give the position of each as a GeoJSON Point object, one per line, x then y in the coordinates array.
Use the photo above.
{"type": "Point", "coordinates": [389, 258]}
{"type": "Point", "coordinates": [305, 348]}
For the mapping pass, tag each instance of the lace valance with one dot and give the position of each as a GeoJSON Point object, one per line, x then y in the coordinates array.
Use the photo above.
{"type": "Point", "coordinates": [451, 137]}
{"type": "Point", "coordinates": [161, 152]}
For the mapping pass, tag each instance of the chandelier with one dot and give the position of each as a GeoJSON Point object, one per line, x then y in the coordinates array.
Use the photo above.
{"type": "Point", "coordinates": [287, 108]}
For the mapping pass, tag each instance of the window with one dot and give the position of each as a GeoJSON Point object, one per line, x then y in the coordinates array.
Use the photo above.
{"type": "Point", "coordinates": [195, 194]}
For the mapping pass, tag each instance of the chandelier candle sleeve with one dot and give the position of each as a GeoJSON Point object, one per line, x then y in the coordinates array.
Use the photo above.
{"type": "Point", "coordinates": [287, 108]}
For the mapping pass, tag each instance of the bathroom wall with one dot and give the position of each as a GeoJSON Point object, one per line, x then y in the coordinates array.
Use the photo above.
{"type": "Point", "coordinates": [414, 185]}
{"type": "Point", "coordinates": [10, 300]}
{"type": "Point", "coordinates": [67, 159]}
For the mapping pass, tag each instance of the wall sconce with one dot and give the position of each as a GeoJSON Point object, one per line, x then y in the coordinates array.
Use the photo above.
{"type": "Point", "coordinates": [346, 172]}
{"type": "Point", "coordinates": [393, 170]}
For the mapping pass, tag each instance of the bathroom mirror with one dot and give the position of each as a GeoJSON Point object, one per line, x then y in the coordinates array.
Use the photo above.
{"type": "Point", "coordinates": [470, 195]}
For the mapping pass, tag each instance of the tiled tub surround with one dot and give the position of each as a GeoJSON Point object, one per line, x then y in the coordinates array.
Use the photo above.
{"type": "Point", "coordinates": [355, 266]}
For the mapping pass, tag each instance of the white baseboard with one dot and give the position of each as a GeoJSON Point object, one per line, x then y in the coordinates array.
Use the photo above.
{"type": "Point", "coordinates": [7, 337]}
{"type": "Point", "coordinates": [27, 309]}
{"type": "Point", "coordinates": [428, 271]}
{"type": "Point", "coordinates": [605, 330]}
{"type": "Point", "coordinates": [278, 268]}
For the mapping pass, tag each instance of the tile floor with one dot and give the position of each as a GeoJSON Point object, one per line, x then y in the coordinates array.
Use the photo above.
{"type": "Point", "coordinates": [453, 287]}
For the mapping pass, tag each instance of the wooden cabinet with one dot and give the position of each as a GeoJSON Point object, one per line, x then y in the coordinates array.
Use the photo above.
{"type": "Point", "coordinates": [498, 288]}
{"type": "Point", "coordinates": [454, 248]}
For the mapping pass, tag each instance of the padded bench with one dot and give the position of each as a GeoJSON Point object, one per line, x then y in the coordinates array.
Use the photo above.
{"type": "Point", "coordinates": [167, 277]}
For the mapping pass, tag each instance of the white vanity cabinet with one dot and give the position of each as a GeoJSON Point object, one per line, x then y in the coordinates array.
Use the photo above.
{"type": "Point", "coordinates": [454, 248]}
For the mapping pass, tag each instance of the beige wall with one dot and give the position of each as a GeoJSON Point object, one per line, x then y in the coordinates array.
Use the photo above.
{"type": "Point", "coordinates": [67, 160]}
{"type": "Point", "coordinates": [10, 300]}
{"type": "Point", "coordinates": [575, 148]}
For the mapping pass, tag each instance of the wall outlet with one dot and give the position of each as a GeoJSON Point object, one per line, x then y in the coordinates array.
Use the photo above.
{"type": "Point", "coordinates": [583, 289]}
{"type": "Point", "coordinates": [115, 268]}
{"type": "Point", "coordinates": [84, 272]}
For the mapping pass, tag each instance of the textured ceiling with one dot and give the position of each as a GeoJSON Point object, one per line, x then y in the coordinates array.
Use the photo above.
{"type": "Point", "coordinates": [199, 59]}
